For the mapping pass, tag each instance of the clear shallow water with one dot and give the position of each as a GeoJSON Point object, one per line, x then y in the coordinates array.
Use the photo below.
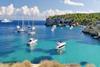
{"type": "Point", "coordinates": [79, 47]}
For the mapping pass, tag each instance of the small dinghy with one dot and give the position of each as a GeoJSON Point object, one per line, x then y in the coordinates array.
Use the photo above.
{"type": "Point", "coordinates": [32, 33]}
{"type": "Point", "coordinates": [53, 28]}
{"type": "Point", "coordinates": [71, 27]}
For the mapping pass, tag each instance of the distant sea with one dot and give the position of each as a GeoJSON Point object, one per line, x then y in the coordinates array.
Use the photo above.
{"type": "Point", "coordinates": [19, 22]}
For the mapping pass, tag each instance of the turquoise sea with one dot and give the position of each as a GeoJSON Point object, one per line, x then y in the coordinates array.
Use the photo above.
{"type": "Point", "coordinates": [80, 48]}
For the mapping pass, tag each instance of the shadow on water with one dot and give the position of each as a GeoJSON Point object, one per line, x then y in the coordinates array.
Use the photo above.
{"type": "Point", "coordinates": [49, 51]}
{"type": "Point", "coordinates": [6, 50]}
{"type": "Point", "coordinates": [40, 50]}
{"type": "Point", "coordinates": [95, 42]}
{"type": "Point", "coordinates": [83, 63]}
{"type": "Point", "coordinates": [6, 54]}
{"type": "Point", "coordinates": [41, 58]}
{"type": "Point", "coordinates": [9, 62]}
{"type": "Point", "coordinates": [52, 52]}
{"type": "Point", "coordinates": [89, 40]}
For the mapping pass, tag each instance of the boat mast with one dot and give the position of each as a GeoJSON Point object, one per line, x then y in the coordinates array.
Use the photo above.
{"type": "Point", "coordinates": [33, 21]}
{"type": "Point", "coordinates": [22, 21]}
{"type": "Point", "coordinates": [27, 21]}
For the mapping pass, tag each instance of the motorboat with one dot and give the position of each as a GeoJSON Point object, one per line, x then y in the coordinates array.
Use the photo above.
{"type": "Point", "coordinates": [53, 28]}
{"type": "Point", "coordinates": [32, 42]}
{"type": "Point", "coordinates": [60, 45]}
{"type": "Point", "coordinates": [6, 21]}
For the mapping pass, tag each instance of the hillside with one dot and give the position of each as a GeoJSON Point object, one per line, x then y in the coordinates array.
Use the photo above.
{"type": "Point", "coordinates": [80, 18]}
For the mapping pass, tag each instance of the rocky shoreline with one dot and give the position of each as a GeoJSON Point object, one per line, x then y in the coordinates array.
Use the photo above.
{"type": "Point", "coordinates": [45, 63]}
{"type": "Point", "coordinates": [93, 30]}
{"type": "Point", "coordinates": [60, 22]}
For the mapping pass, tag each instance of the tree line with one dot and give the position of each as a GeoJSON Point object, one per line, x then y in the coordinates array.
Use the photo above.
{"type": "Point", "coordinates": [81, 18]}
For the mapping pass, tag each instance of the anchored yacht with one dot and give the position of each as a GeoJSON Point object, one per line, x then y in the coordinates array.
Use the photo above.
{"type": "Point", "coordinates": [6, 21]}
{"type": "Point", "coordinates": [31, 43]}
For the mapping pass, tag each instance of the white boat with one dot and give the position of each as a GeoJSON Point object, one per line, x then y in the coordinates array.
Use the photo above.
{"type": "Point", "coordinates": [33, 27]}
{"type": "Point", "coordinates": [32, 43]}
{"type": "Point", "coordinates": [31, 32]}
{"type": "Point", "coordinates": [71, 27]}
{"type": "Point", "coordinates": [6, 21]}
{"type": "Point", "coordinates": [53, 28]}
{"type": "Point", "coordinates": [29, 26]}
{"type": "Point", "coordinates": [21, 28]}
{"type": "Point", "coordinates": [18, 27]}
{"type": "Point", "coordinates": [60, 45]}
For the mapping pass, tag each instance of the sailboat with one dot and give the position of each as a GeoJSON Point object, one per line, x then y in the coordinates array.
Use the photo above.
{"type": "Point", "coordinates": [21, 29]}
{"type": "Point", "coordinates": [33, 27]}
{"type": "Point", "coordinates": [29, 26]}
{"type": "Point", "coordinates": [18, 26]}
{"type": "Point", "coordinates": [32, 31]}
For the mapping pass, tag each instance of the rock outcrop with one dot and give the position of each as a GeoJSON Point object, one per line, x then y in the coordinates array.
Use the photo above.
{"type": "Point", "coordinates": [60, 22]}
{"type": "Point", "coordinates": [93, 30]}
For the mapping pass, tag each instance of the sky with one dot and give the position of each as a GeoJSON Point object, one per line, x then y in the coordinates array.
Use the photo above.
{"type": "Point", "coordinates": [41, 9]}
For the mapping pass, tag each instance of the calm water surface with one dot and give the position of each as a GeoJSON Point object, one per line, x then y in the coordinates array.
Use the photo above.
{"type": "Point", "coordinates": [79, 47]}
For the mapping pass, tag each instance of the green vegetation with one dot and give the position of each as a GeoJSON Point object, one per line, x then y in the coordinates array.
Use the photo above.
{"type": "Point", "coordinates": [81, 18]}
